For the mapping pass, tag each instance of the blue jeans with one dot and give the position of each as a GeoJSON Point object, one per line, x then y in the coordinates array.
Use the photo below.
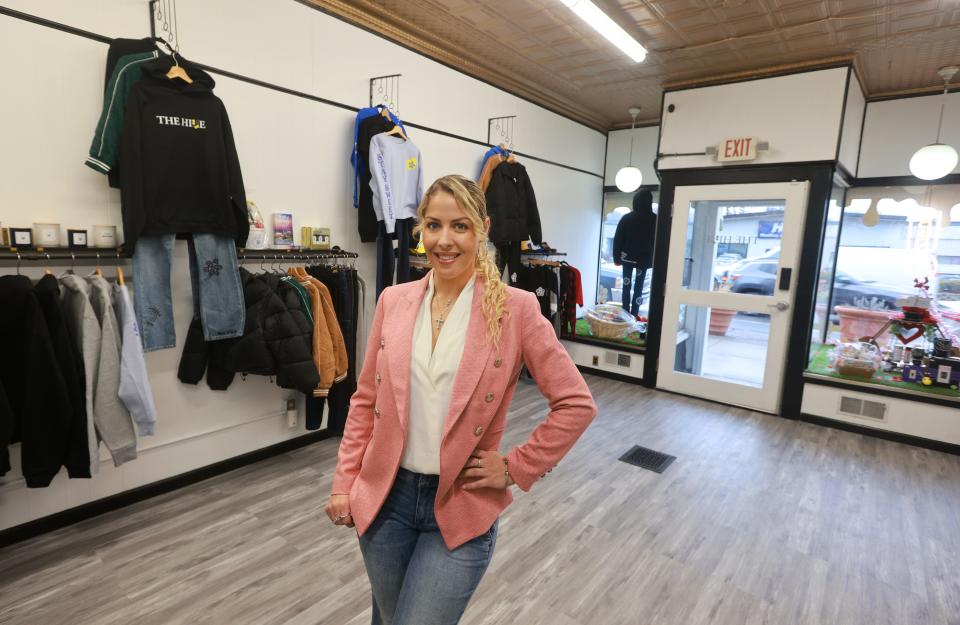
{"type": "Point", "coordinates": [214, 277]}
{"type": "Point", "coordinates": [415, 579]}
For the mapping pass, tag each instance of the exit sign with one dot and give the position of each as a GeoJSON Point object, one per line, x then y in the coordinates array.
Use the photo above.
{"type": "Point", "coordinates": [737, 149]}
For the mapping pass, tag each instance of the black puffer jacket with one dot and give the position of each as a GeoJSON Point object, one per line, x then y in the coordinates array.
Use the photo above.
{"type": "Point", "coordinates": [512, 205]}
{"type": "Point", "coordinates": [274, 342]}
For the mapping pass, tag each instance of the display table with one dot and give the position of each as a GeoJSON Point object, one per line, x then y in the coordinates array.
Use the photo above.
{"type": "Point", "coordinates": [820, 365]}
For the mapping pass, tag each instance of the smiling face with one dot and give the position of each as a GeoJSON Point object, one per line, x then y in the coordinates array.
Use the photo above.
{"type": "Point", "coordinates": [450, 237]}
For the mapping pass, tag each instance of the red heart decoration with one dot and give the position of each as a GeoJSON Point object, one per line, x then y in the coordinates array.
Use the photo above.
{"type": "Point", "coordinates": [917, 332]}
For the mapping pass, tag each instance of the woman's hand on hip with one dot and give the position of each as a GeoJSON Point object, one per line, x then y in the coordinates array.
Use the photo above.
{"type": "Point", "coordinates": [338, 510]}
{"type": "Point", "coordinates": [485, 469]}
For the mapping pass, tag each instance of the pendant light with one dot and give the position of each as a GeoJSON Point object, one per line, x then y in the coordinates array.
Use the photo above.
{"type": "Point", "coordinates": [629, 178]}
{"type": "Point", "coordinates": [936, 160]}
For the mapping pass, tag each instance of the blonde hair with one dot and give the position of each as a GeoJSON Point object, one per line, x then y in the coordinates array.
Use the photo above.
{"type": "Point", "coordinates": [470, 198]}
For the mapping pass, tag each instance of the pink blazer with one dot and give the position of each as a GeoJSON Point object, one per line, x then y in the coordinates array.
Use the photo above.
{"type": "Point", "coordinates": [375, 430]}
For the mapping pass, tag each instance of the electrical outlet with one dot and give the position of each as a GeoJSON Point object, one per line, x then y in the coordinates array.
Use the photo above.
{"type": "Point", "coordinates": [596, 361]}
{"type": "Point", "coordinates": [290, 409]}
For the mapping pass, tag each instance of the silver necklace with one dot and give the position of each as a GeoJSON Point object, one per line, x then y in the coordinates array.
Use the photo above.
{"type": "Point", "coordinates": [440, 318]}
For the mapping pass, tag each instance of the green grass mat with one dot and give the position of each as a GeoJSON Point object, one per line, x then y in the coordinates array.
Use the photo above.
{"type": "Point", "coordinates": [634, 338]}
{"type": "Point", "coordinates": [820, 364]}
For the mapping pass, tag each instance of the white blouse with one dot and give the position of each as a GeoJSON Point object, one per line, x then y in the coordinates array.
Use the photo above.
{"type": "Point", "coordinates": [432, 372]}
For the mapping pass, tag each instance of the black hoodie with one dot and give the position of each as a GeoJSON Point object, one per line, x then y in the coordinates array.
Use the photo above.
{"type": "Point", "coordinates": [633, 241]}
{"type": "Point", "coordinates": [179, 167]}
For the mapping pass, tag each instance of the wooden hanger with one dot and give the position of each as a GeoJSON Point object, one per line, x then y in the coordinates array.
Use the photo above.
{"type": "Point", "coordinates": [120, 279]}
{"type": "Point", "coordinates": [397, 131]}
{"type": "Point", "coordinates": [178, 72]}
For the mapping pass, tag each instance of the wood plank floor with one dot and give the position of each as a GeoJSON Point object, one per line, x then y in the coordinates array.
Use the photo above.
{"type": "Point", "coordinates": [760, 520]}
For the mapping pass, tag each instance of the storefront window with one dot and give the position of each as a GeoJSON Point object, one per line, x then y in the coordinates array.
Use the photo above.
{"type": "Point", "coordinates": [610, 279]}
{"type": "Point", "coordinates": [897, 286]}
{"type": "Point", "coordinates": [828, 257]}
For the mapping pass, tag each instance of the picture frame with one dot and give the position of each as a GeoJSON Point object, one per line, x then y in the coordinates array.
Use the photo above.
{"type": "Point", "coordinates": [77, 239]}
{"type": "Point", "coordinates": [21, 237]}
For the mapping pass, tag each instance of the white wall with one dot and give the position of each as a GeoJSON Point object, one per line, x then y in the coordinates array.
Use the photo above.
{"type": "Point", "coordinates": [938, 423]}
{"type": "Point", "coordinates": [583, 355]}
{"type": "Point", "coordinates": [644, 153]}
{"type": "Point", "coordinates": [852, 125]}
{"type": "Point", "coordinates": [799, 115]}
{"type": "Point", "coordinates": [895, 129]}
{"type": "Point", "coordinates": [295, 157]}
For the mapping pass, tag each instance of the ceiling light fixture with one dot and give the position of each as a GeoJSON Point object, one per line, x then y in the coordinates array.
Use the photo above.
{"type": "Point", "coordinates": [629, 178]}
{"type": "Point", "coordinates": [601, 22]}
{"type": "Point", "coordinates": [936, 160]}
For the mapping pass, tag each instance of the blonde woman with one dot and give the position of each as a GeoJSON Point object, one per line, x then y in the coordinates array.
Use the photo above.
{"type": "Point", "coordinates": [419, 472]}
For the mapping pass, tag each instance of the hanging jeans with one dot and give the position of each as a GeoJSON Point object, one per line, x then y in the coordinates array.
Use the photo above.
{"type": "Point", "coordinates": [214, 277]}
{"type": "Point", "coordinates": [632, 304]}
{"type": "Point", "coordinates": [414, 578]}
{"type": "Point", "coordinates": [508, 255]}
{"type": "Point", "coordinates": [387, 260]}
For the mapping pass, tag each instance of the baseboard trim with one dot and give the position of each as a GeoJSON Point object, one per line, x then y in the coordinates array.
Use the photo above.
{"type": "Point", "coordinates": [897, 437]}
{"type": "Point", "coordinates": [609, 374]}
{"type": "Point", "coordinates": [46, 524]}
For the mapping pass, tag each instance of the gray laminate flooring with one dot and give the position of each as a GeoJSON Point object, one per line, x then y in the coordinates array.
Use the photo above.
{"type": "Point", "coordinates": [760, 520]}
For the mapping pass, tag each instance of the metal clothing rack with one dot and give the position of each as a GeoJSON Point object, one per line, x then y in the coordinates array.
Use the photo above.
{"type": "Point", "coordinates": [118, 255]}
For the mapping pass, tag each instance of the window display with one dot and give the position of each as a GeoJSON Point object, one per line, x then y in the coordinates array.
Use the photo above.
{"type": "Point", "coordinates": [611, 275]}
{"type": "Point", "coordinates": [894, 287]}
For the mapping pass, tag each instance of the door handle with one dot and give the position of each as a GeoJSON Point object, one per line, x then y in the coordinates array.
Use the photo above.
{"type": "Point", "coordinates": [781, 306]}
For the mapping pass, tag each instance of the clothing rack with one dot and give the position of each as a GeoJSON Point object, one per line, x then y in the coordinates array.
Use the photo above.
{"type": "Point", "coordinates": [117, 254]}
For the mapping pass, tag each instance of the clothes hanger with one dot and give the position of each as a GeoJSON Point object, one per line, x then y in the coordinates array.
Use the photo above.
{"type": "Point", "coordinates": [176, 71]}
{"type": "Point", "coordinates": [46, 267]}
{"type": "Point", "coordinates": [97, 271]}
{"type": "Point", "coordinates": [120, 279]}
{"type": "Point", "coordinates": [397, 131]}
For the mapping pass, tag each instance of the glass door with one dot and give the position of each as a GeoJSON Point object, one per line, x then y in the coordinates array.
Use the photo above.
{"type": "Point", "coordinates": [730, 287]}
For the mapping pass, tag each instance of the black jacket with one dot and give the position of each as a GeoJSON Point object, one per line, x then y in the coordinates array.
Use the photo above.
{"type": "Point", "coordinates": [36, 410]}
{"type": "Point", "coordinates": [179, 168]}
{"type": "Point", "coordinates": [633, 241]}
{"type": "Point", "coordinates": [366, 216]}
{"type": "Point", "coordinates": [512, 205]}
{"type": "Point", "coordinates": [274, 342]}
{"type": "Point", "coordinates": [70, 362]}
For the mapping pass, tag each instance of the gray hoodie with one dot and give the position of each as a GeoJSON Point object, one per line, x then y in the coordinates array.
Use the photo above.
{"type": "Point", "coordinates": [110, 415]}
{"type": "Point", "coordinates": [135, 391]}
{"type": "Point", "coordinates": [85, 330]}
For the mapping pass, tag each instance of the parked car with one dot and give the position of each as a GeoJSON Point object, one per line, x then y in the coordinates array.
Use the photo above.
{"type": "Point", "coordinates": [759, 277]}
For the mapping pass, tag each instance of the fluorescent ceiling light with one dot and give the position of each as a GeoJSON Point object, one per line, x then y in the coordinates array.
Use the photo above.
{"type": "Point", "coordinates": [601, 22]}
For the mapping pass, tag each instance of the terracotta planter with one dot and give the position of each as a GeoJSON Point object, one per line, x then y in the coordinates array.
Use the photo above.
{"type": "Point", "coordinates": [720, 320]}
{"type": "Point", "coordinates": [856, 323]}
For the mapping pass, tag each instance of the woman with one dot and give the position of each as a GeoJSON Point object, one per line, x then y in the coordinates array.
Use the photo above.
{"type": "Point", "coordinates": [419, 472]}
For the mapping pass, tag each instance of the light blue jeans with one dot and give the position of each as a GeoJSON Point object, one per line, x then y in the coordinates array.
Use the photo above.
{"type": "Point", "coordinates": [214, 277]}
{"type": "Point", "coordinates": [415, 579]}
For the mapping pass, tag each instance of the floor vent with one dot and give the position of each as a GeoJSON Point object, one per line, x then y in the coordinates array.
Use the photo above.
{"type": "Point", "coordinates": [863, 408]}
{"type": "Point", "coordinates": [647, 458]}
{"type": "Point", "coordinates": [614, 358]}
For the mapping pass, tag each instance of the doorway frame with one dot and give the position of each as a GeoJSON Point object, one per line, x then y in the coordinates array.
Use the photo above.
{"type": "Point", "coordinates": [820, 176]}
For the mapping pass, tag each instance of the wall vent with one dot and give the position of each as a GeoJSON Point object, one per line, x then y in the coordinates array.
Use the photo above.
{"type": "Point", "coordinates": [617, 359]}
{"type": "Point", "coordinates": [863, 408]}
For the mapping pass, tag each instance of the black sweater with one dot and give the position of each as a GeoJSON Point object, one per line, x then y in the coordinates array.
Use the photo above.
{"type": "Point", "coordinates": [512, 205]}
{"type": "Point", "coordinates": [70, 363]}
{"type": "Point", "coordinates": [179, 167]}
{"type": "Point", "coordinates": [34, 404]}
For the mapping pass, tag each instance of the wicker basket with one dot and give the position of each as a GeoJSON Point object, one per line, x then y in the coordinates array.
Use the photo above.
{"type": "Point", "coordinates": [609, 322]}
{"type": "Point", "coordinates": [856, 368]}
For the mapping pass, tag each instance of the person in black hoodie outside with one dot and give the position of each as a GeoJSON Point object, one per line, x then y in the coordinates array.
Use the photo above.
{"type": "Point", "coordinates": [180, 174]}
{"type": "Point", "coordinates": [633, 247]}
